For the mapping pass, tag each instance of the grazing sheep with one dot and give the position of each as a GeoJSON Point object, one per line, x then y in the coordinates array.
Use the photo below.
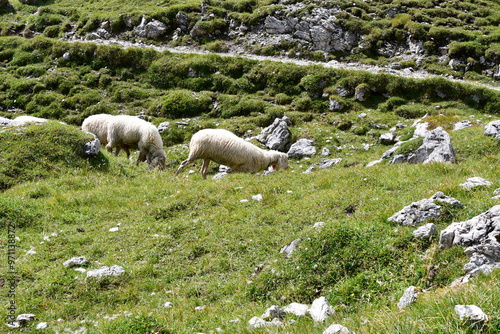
{"type": "Point", "coordinates": [225, 148]}
{"type": "Point", "coordinates": [133, 132]}
{"type": "Point", "coordinates": [98, 125]}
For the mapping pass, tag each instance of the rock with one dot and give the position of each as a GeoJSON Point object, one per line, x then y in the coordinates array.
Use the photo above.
{"type": "Point", "coordinates": [297, 309]}
{"type": "Point", "coordinates": [288, 250]}
{"type": "Point", "coordinates": [426, 231]}
{"type": "Point", "coordinates": [42, 325]}
{"type": "Point", "coordinates": [152, 29]}
{"type": "Point", "coordinates": [257, 322]}
{"type": "Point", "coordinates": [325, 151]}
{"type": "Point", "coordinates": [481, 236]}
{"type": "Point", "coordinates": [416, 213]}
{"type": "Point", "coordinates": [24, 318]}
{"type": "Point", "coordinates": [334, 104]}
{"type": "Point", "coordinates": [436, 147]}
{"type": "Point", "coordinates": [336, 329]}
{"type": "Point", "coordinates": [92, 147]}
{"type": "Point", "coordinates": [277, 135]}
{"type": "Point", "coordinates": [440, 197]}
{"type": "Point", "coordinates": [75, 261]}
{"type": "Point", "coordinates": [276, 26]}
{"type": "Point", "coordinates": [323, 164]}
{"type": "Point", "coordinates": [409, 297]}
{"type": "Point", "coordinates": [274, 312]}
{"type": "Point", "coordinates": [361, 93]}
{"type": "Point", "coordinates": [475, 182]}
{"type": "Point", "coordinates": [302, 148]}
{"type": "Point", "coordinates": [462, 125]}
{"type": "Point", "coordinates": [106, 271]}
{"type": "Point", "coordinates": [388, 138]}
{"type": "Point", "coordinates": [23, 120]}
{"type": "Point", "coordinates": [163, 126]}
{"type": "Point", "coordinates": [471, 312]}
{"type": "Point", "coordinates": [319, 224]}
{"type": "Point", "coordinates": [320, 309]}
{"type": "Point", "coordinates": [492, 129]}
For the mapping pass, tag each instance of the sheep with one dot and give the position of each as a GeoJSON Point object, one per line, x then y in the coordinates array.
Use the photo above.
{"type": "Point", "coordinates": [224, 147]}
{"type": "Point", "coordinates": [133, 132]}
{"type": "Point", "coordinates": [98, 125]}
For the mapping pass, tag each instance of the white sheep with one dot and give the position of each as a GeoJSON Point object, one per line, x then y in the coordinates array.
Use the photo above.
{"type": "Point", "coordinates": [98, 125]}
{"type": "Point", "coordinates": [133, 132]}
{"type": "Point", "coordinates": [224, 147]}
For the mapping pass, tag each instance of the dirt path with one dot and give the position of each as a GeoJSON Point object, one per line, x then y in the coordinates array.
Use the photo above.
{"type": "Point", "coordinates": [406, 73]}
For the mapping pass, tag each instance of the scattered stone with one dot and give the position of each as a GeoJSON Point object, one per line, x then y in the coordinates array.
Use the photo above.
{"type": "Point", "coordinates": [320, 309]}
{"type": "Point", "coordinates": [152, 29]}
{"type": "Point", "coordinates": [114, 229]}
{"type": "Point", "coordinates": [297, 309]}
{"type": "Point", "coordinates": [336, 329]}
{"type": "Point", "coordinates": [323, 164]}
{"type": "Point", "coordinates": [409, 297]}
{"type": "Point", "coordinates": [303, 147]}
{"type": "Point", "coordinates": [257, 322]}
{"type": "Point", "coordinates": [106, 271]}
{"type": "Point", "coordinates": [24, 318]}
{"type": "Point", "coordinates": [388, 138]}
{"type": "Point", "coordinates": [277, 135]}
{"type": "Point", "coordinates": [319, 224]}
{"type": "Point", "coordinates": [474, 182]}
{"type": "Point", "coordinates": [257, 197]}
{"type": "Point", "coordinates": [462, 125]}
{"type": "Point", "coordinates": [42, 325]}
{"type": "Point", "coordinates": [163, 126]}
{"type": "Point", "coordinates": [75, 261]}
{"type": "Point", "coordinates": [418, 212]}
{"type": "Point", "coordinates": [426, 231]}
{"type": "Point", "coordinates": [289, 249]}
{"type": "Point", "coordinates": [80, 229]}
{"type": "Point", "coordinates": [492, 129]}
{"type": "Point", "coordinates": [471, 312]}
{"type": "Point", "coordinates": [168, 305]}
{"type": "Point", "coordinates": [92, 147]}
{"type": "Point", "coordinates": [325, 151]}
{"type": "Point", "coordinates": [274, 312]}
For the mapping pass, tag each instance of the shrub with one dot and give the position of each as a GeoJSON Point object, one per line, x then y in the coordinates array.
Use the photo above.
{"type": "Point", "coordinates": [411, 111]}
{"type": "Point", "coordinates": [466, 49]}
{"type": "Point", "coordinates": [392, 103]}
{"type": "Point", "coordinates": [236, 106]}
{"type": "Point", "coordinates": [183, 103]}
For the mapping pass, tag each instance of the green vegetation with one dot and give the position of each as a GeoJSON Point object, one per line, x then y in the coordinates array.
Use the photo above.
{"type": "Point", "coordinates": [194, 242]}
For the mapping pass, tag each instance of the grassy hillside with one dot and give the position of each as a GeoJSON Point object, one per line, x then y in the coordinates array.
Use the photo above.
{"type": "Point", "coordinates": [194, 242]}
{"type": "Point", "coordinates": [466, 31]}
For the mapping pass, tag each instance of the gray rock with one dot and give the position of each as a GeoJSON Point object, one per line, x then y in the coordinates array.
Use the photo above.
{"type": "Point", "coordinates": [274, 312]}
{"type": "Point", "coordinates": [257, 322]}
{"type": "Point", "coordinates": [436, 147]}
{"type": "Point", "coordinates": [320, 309]}
{"type": "Point", "coordinates": [336, 329]}
{"type": "Point", "coordinates": [426, 231]}
{"type": "Point", "coordinates": [334, 104]}
{"type": "Point", "coordinates": [462, 125]}
{"type": "Point", "coordinates": [297, 309]}
{"type": "Point", "coordinates": [440, 197]}
{"type": "Point", "coordinates": [106, 271]}
{"type": "Point", "coordinates": [289, 249]}
{"type": "Point", "coordinates": [152, 29]}
{"type": "Point", "coordinates": [276, 26]}
{"type": "Point", "coordinates": [92, 148]}
{"type": "Point", "coordinates": [475, 182]}
{"type": "Point", "coordinates": [163, 126]}
{"type": "Point", "coordinates": [277, 135]}
{"type": "Point", "coordinates": [388, 138]}
{"type": "Point", "coordinates": [481, 236]}
{"type": "Point", "coordinates": [416, 213]}
{"type": "Point", "coordinates": [408, 298]}
{"type": "Point", "coordinates": [303, 147]}
{"type": "Point", "coordinates": [24, 318]}
{"type": "Point", "coordinates": [323, 164]}
{"type": "Point", "coordinates": [471, 312]}
{"type": "Point", "coordinates": [325, 151]}
{"type": "Point", "coordinates": [75, 261]}
{"type": "Point", "coordinates": [492, 129]}
{"type": "Point", "coordinates": [361, 93]}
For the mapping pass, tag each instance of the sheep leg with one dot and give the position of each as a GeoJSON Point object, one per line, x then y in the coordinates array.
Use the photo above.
{"type": "Point", "coordinates": [204, 168]}
{"type": "Point", "coordinates": [183, 165]}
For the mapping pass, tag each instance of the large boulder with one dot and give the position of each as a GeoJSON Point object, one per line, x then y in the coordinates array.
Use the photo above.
{"type": "Point", "coordinates": [302, 147]}
{"type": "Point", "coordinates": [481, 236]}
{"type": "Point", "coordinates": [492, 129]}
{"type": "Point", "coordinates": [436, 147]}
{"type": "Point", "coordinates": [152, 29]}
{"type": "Point", "coordinates": [277, 135]}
